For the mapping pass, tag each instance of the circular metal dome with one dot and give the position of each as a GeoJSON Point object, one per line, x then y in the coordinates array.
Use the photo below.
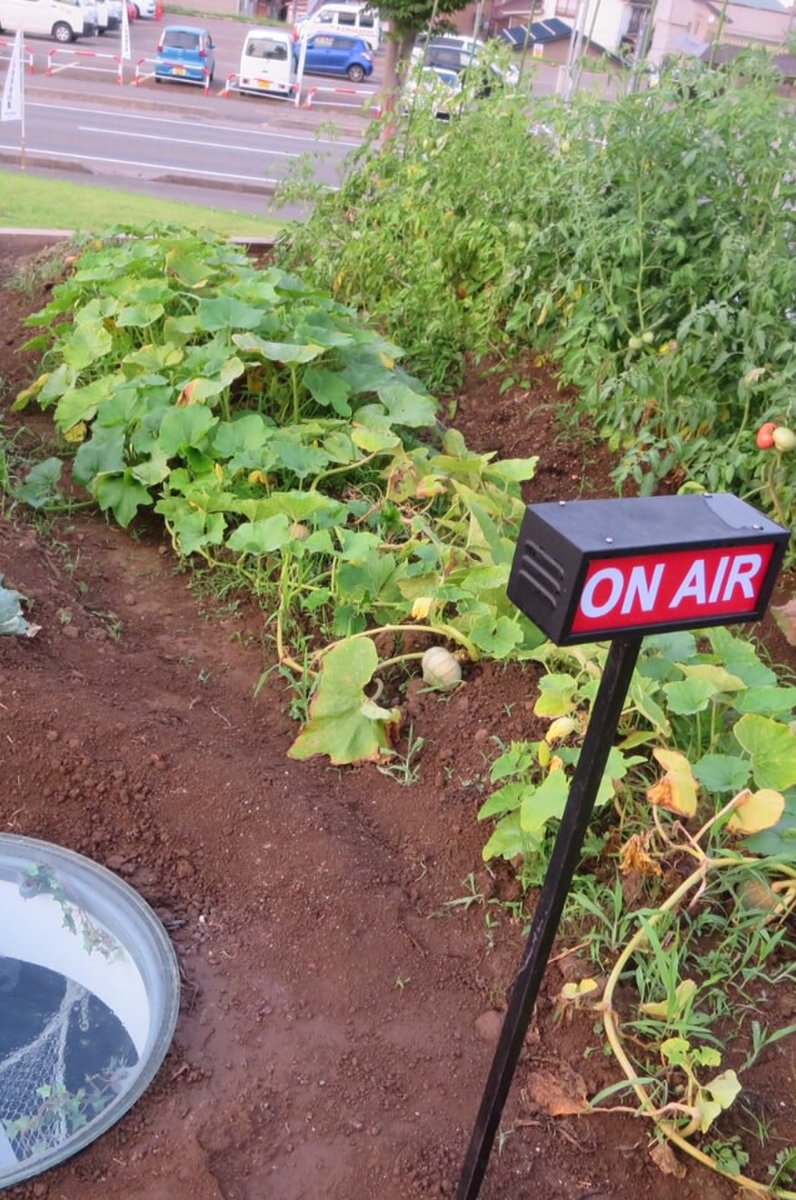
{"type": "Point", "coordinates": [89, 992]}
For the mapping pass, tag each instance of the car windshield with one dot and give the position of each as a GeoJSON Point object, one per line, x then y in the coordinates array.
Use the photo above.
{"type": "Point", "coordinates": [181, 39]}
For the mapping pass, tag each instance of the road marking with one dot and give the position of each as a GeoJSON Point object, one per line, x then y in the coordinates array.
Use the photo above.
{"type": "Point", "coordinates": [163, 168]}
{"type": "Point", "coordinates": [129, 116]}
{"type": "Point", "coordinates": [154, 137]}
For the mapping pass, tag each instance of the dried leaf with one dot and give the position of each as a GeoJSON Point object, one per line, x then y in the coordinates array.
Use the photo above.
{"type": "Point", "coordinates": [634, 859]}
{"type": "Point", "coordinates": [677, 791]}
{"type": "Point", "coordinates": [559, 1094]}
{"type": "Point", "coordinates": [758, 810]}
{"type": "Point", "coordinates": [666, 1161]}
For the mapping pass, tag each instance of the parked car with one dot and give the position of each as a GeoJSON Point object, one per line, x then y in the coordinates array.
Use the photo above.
{"type": "Point", "coordinates": [453, 53]}
{"type": "Point", "coordinates": [146, 8]}
{"type": "Point", "coordinates": [268, 63]}
{"type": "Point", "coordinates": [355, 20]}
{"type": "Point", "coordinates": [335, 54]}
{"type": "Point", "coordinates": [436, 88]}
{"type": "Point", "coordinates": [63, 20]}
{"type": "Point", "coordinates": [185, 53]}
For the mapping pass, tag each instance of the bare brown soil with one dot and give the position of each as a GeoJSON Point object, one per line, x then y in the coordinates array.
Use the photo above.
{"type": "Point", "coordinates": [338, 1014]}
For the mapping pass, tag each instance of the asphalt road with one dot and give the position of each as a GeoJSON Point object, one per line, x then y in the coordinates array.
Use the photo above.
{"type": "Point", "coordinates": [163, 146]}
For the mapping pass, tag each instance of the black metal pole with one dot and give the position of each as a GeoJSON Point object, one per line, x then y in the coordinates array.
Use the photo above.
{"type": "Point", "coordinates": [605, 715]}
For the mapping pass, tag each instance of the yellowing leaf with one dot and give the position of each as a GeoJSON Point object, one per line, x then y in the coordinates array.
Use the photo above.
{"type": "Point", "coordinates": [561, 728]}
{"type": "Point", "coordinates": [666, 1010]}
{"type": "Point", "coordinates": [708, 1111]}
{"type": "Point", "coordinates": [758, 810]}
{"type": "Point", "coordinates": [29, 393]}
{"type": "Point", "coordinates": [677, 791]}
{"type": "Point", "coordinates": [724, 1088]}
{"type": "Point", "coordinates": [576, 990]}
{"type": "Point", "coordinates": [77, 433]}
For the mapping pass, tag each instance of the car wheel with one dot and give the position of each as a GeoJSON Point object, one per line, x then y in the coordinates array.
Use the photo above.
{"type": "Point", "coordinates": [355, 73]}
{"type": "Point", "coordinates": [63, 33]}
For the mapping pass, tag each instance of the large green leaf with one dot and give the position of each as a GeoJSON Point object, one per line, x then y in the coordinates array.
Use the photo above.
{"type": "Point", "coordinates": [722, 772]}
{"type": "Point", "coordinates": [261, 537]}
{"type": "Point", "coordinates": [328, 388]}
{"type": "Point", "coordinates": [137, 316]}
{"type": "Point", "coordinates": [81, 403]}
{"type": "Point", "coordinates": [226, 312]}
{"type": "Point", "coordinates": [509, 839]}
{"type": "Point", "coordinates": [772, 748]}
{"type": "Point", "coordinates": [687, 696]}
{"type": "Point", "coordinates": [344, 724]}
{"type": "Point", "coordinates": [40, 485]}
{"type": "Point", "coordinates": [407, 407]}
{"type": "Point", "coordinates": [188, 263]}
{"type": "Point", "coordinates": [182, 427]}
{"type": "Point", "coordinates": [242, 440]}
{"type": "Point", "coordinates": [495, 636]}
{"type": "Point", "coordinates": [283, 352]}
{"type": "Point", "coordinates": [86, 345]}
{"type": "Point", "coordinates": [122, 494]}
{"type": "Point", "coordinates": [544, 803]}
{"type": "Point", "coordinates": [102, 454]}
{"type": "Point", "coordinates": [766, 701]}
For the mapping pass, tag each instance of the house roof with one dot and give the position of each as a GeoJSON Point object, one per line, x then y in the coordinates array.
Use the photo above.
{"type": "Point", "coordinates": [722, 55]}
{"type": "Point", "coordinates": [539, 33]}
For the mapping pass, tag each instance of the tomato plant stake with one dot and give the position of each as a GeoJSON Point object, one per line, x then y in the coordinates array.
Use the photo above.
{"type": "Point", "coordinates": [608, 704]}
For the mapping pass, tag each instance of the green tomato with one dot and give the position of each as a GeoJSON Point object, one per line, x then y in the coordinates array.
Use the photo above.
{"type": "Point", "coordinates": [635, 343]}
{"type": "Point", "coordinates": [648, 338]}
{"type": "Point", "coordinates": [784, 438]}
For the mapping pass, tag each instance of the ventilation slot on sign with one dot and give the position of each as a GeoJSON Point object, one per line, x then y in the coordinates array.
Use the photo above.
{"type": "Point", "coordinates": [538, 570]}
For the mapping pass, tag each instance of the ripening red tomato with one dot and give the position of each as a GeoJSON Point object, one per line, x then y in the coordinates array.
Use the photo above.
{"type": "Point", "coordinates": [765, 435]}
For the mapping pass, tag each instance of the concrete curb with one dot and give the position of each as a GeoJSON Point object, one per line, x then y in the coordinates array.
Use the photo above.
{"type": "Point", "coordinates": [252, 244]}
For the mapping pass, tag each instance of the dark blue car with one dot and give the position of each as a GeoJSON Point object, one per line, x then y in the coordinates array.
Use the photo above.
{"type": "Point", "coordinates": [336, 54]}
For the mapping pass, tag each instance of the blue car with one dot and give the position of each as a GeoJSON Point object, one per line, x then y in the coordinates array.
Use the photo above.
{"type": "Point", "coordinates": [185, 53]}
{"type": "Point", "coordinates": [336, 54]}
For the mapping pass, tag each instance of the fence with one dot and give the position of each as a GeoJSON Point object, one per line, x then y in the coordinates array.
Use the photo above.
{"type": "Point", "coordinates": [77, 61]}
{"type": "Point", "coordinates": [342, 91]}
{"type": "Point", "coordinates": [27, 54]}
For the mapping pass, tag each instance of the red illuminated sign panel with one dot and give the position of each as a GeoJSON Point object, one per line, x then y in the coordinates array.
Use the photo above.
{"type": "Point", "coordinates": [589, 570]}
{"type": "Point", "coordinates": [664, 589]}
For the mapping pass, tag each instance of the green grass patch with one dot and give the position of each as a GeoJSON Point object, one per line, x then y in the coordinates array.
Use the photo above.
{"type": "Point", "coordinates": [29, 202]}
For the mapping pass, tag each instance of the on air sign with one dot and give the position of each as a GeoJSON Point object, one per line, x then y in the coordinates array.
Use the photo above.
{"type": "Point", "coordinates": [587, 570]}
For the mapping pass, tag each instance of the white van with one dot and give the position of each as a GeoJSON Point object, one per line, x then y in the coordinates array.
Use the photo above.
{"type": "Point", "coordinates": [267, 62]}
{"type": "Point", "coordinates": [357, 20]}
{"type": "Point", "coordinates": [64, 20]}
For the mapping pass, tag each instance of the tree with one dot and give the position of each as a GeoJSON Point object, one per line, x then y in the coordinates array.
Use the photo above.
{"type": "Point", "coordinates": [407, 18]}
